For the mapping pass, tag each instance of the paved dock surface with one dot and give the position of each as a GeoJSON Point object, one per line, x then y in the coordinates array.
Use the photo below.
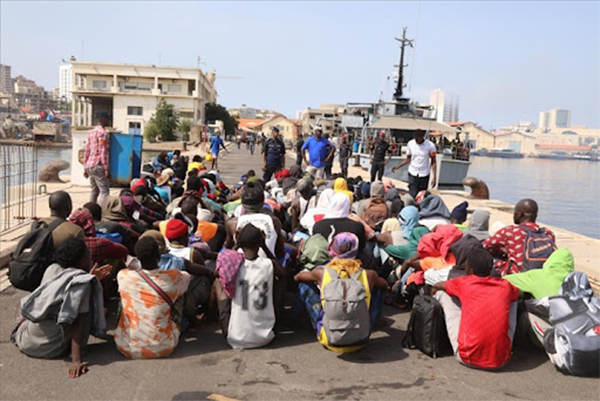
{"type": "Point", "coordinates": [293, 367]}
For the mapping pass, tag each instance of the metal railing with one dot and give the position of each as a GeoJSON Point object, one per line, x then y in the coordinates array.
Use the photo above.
{"type": "Point", "coordinates": [18, 184]}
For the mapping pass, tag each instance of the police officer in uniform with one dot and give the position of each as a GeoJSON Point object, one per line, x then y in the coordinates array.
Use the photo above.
{"type": "Point", "coordinates": [273, 155]}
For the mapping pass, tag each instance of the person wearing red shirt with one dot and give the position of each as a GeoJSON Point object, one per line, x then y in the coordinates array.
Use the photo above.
{"type": "Point", "coordinates": [507, 245]}
{"type": "Point", "coordinates": [481, 321]}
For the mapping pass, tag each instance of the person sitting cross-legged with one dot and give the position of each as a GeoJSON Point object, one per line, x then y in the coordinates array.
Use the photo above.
{"type": "Point", "coordinates": [342, 278]}
{"type": "Point", "coordinates": [146, 328]}
{"type": "Point", "coordinates": [58, 317]}
{"type": "Point", "coordinates": [245, 292]}
{"type": "Point", "coordinates": [480, 313]}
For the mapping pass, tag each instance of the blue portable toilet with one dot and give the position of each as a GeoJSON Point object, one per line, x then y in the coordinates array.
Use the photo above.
{"type": "Point", "coordinates": [125, 160]}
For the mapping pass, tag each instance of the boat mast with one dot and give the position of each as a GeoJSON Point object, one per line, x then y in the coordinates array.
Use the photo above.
{"type": "Point", "coordinates": [403, 43]}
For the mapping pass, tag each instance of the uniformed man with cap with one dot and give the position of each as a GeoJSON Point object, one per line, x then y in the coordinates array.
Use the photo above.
{"type": "Point", "coordinates": [273, 155]}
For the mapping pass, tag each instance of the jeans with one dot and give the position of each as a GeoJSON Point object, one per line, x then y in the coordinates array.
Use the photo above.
{"type": "Point", "coordinates": [99, 183]}
{"type": "Point", "coordinates": [299, 158]}
{"type": "Point", "coordinates": [269, 172]}
{"type": "Point", "coordinates": [311, 297]}
{"type": "Point", "coordinates": [377, 170]}
{"type": "Point", "coordinates": [417, 184]}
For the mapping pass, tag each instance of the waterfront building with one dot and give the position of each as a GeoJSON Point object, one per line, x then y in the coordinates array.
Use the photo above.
{"type": "Point", "coordinates": [131, 92]}
{"type": "Point", "coordinates": [28, 94]}
{"type": "Point", "coordinates": [328, 116]}
{"type": "Point", "coordinates": [554, 118]}
{"type": "Point", "coordinates": [65, 82]}
{"type": "Point", "coordinates": [6, 81]}
{"type": "Point", "coordinates": [479, 138]}
{"type": "Point", "coordinates": [288, 128]}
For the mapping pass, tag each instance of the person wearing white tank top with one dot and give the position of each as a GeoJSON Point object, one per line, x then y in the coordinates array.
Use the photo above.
{"type": "Point", "coordinates": [252, 316]}
{"type": "Point", "coordinates": [252, 201]}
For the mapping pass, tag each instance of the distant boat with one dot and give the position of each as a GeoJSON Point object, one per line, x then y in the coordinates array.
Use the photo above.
{"type": "Point", "coordinates": [582, 156]}
{"type": "Point", "coordinates": [555, 155]}
{"type": "Point", "coordinates": [504, 153]}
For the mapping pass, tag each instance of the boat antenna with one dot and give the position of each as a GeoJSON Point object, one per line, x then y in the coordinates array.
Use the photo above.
{"type": "Point", "coordinates": [414, 60]}
{"type": "Point", "coordinates": [403, 43]}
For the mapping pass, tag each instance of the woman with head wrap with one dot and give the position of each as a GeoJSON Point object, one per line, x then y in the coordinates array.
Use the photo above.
{"type": "Point", "coordinates": [317, 213]}
{"type": "Point", "coordinates": [408, 219]}
{"type": "Point", "coordinates": [291, 182]}
{"type": "Point", "coordinates": [336, 221]}
{"type": "Point", "coordinates": [340, 186]}
{"type": "Point", "coordinates": [433, 212]}
{"type": "Point", "coordinates": [344, 250]}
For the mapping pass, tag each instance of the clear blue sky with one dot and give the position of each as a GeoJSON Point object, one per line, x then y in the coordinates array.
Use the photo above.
{"type": "Point", "coordinates": [506, 60]}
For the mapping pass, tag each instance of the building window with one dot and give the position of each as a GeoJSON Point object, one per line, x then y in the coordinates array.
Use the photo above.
{"type": "Point", "coordinates": [99, 85]}
{"type": "Point", "coordinates": [174, 88]}
{"type": "Point", "coordinates": [140, 86]}
{"type": "Point", "coordinates": [135, 111]}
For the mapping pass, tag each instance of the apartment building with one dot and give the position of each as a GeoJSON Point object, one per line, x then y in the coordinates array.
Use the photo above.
{"type": "Point", "coordinates": [131, 92]}
{"type": "Point", "coordinates": [328, 116]}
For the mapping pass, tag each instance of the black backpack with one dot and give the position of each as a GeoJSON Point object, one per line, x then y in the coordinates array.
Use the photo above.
{"type": "Point", "coordinates": [537, 248]}
{"type": "Point", "coordinates": [33, 255]}
{"type": "Point", "coordinates": [427, 328]}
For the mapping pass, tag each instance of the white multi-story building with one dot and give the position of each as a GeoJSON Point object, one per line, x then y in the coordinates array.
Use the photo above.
{"type": "Point", "coordinates": [446, 109]}
{"type": "Point", "coordinates": [554, 118]}
{"type": "Point", "coordinates": [131, 92]}
{"type": "Point", "coordinates": [65, 82]}
{"type": "Point", "coordinates": [6, 81]}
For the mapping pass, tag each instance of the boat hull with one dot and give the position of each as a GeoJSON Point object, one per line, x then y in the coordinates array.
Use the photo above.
{"type": "Point", "coordinates": [450, 172]}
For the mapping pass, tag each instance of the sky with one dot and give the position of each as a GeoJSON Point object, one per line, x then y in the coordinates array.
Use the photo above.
{"type": "Point", "coordinates": [507, 61]}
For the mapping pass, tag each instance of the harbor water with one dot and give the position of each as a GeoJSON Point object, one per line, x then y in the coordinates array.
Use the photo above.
{"type": "Point", "coordinates": [567, 191]}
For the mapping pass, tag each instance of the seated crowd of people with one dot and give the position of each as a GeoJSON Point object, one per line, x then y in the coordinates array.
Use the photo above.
{"type": "Point", "coordinates": [179, 247]}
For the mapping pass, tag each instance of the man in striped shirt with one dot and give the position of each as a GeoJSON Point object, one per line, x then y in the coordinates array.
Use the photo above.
{"type": "Point", "coordinates": [96, 159]}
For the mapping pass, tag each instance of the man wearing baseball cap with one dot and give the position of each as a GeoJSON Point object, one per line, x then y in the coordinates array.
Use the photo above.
{"type": "Point", "coordinates": [378, 152]}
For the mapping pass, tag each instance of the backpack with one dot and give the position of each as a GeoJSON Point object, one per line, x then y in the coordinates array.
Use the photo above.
{"type": "Point", "coordinates": [537, 248]}
{"type": "Point", "coordinates": [346, 319]}
{"type": "Point", "coordinates": [573, 343]}
{"type": "Point", "coordinates": [427, 327]}
{"type": "Point", "coordinates": [34, 253]}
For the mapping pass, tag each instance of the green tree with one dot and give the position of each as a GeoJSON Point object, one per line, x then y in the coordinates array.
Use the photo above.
{"type": "Point", "coordinates": [166, 120]}
{"type": "Point", "coordinates": [185, 126]}
{"type": "Point", "coordinates": [151, 132]}
{"type": "Point", "coordinates": [215, 111]}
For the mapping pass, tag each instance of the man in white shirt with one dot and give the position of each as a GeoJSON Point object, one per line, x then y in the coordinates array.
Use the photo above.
{"type": "Point", "coordinates": [420, 153]}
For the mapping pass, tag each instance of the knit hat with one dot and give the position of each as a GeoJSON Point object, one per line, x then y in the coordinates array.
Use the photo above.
{"type": "Point", "coordinates": [365, 190]}
{"type": "Point", "coordinates": [176, 229]}
{"type": "Point", "coordinates": [460, 212]}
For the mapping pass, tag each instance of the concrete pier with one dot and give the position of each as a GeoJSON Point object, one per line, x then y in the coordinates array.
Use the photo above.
{"type": "Point", "coordinates": [294, 366]}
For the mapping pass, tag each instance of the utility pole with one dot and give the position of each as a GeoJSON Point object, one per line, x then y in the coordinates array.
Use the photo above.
{"type": "Point", "coordinates": [403, 43]}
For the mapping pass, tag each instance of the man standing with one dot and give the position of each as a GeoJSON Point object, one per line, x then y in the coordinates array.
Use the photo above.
{"type": "Point", "coordinates": [96, 159]}
{"type": "Point", "coordinates": [420, 153]}
{"type": "Point", "coordinates": [216, 143]}
{"type": "Point", "coordinates": [329, 160]}
{"type": "Point", "coordinates": [273, 155]}
{"type": "Point", "coordinates": [299, 144]}
{"type": "Point", "coordinates": [345, 154]}
{"type": "Point", "coordinates": [378, 152]}
{"type": "Point", "coordinates": [318, 153]}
